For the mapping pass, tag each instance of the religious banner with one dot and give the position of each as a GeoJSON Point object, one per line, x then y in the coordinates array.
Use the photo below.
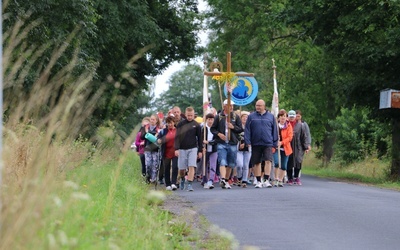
{"type": "Point", "coordinates": [244, 89]}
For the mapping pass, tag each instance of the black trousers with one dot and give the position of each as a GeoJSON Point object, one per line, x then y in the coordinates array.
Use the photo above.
{"type": "Point", "coordinates": [293, 166]}
{"type": "Point", "coordinates": [168, 164]}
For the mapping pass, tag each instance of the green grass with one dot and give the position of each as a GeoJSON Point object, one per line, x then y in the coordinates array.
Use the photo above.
{"type": "Point", "coordinates": [108, 207]}
{"type": "Point", "coordinates": [128, 215]}
{"type": "Point", "coordinates": [370, 171]}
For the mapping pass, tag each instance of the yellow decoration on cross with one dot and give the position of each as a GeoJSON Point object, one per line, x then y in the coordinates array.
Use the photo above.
{"type": "Point", "coordinates": [224, 77]}
{"type": "Point", "coordinates": [227, 77]}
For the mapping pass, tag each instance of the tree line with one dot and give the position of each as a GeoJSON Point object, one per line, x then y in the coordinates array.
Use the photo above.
{"type": "Point", "coordinates": [332, 58]}
{"type": "Point", "coordinates": [123, 44]}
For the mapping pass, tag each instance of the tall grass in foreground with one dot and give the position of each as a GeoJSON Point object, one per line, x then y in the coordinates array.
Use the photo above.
{"type": "Point", "coordinates": [63, 191]}
{"type": "Point", "coordinates": [100, 203]}
{"type": "Point", "coordinates": [60, 191]}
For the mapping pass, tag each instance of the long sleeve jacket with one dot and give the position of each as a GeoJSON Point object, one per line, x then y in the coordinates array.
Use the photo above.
{"type": "Point", "coordinates": [286, 138]}
{"type": "Point", "coordinates": [219, 127]}
{"type": "Point", "coordinates": [261, 130]}
{"type": "Point", "coordinates": [188, 135]}
{"type": "Point", "coordinates": [149, 146]}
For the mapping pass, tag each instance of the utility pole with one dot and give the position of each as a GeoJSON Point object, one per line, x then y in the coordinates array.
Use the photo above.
{"type": "Point", "coordinates": [1, 101]}
{"type": "Point", "coordinates": [390, 102]}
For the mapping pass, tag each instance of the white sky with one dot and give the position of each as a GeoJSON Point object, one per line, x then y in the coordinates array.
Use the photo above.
{"type": "Point", "coordinates": [161, 80]}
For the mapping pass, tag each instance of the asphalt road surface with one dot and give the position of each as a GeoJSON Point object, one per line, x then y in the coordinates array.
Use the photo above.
{"type": "Point", "coordinates": [321, 214]}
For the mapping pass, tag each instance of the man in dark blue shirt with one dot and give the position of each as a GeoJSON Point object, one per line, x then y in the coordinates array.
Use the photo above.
{"type": "Point", "coordinates": [261, 134]}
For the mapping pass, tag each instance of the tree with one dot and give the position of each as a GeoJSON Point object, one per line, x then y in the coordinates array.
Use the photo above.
{"type": "Point", "coordinates": [123, 42]}
{"type": "Point", "coordinates": [306, 74]}
{"type": "Point", "coordinates": [185, 89]}
{"type": "Point", "coordinates": [364, 36]}
{"type": "Point", "coordinates": [329, 53]}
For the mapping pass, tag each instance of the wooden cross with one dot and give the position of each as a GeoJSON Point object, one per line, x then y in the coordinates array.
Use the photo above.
{"type": "Point", "coordinates": [228, 73]}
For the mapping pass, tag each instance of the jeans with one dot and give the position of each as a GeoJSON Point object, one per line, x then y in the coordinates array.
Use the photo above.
{"type": "Point", "coordinates": [284, 159]}
{"type": "Point", "coordinates": [242, 163]}
{"type": "Point", "coordinates": [227, 154]}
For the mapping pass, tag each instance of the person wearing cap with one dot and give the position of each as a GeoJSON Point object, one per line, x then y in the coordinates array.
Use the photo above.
{"type": "Point", "coordinates": [261, 135]}
{"type": "Point", "coordinates": [300, 144]}
{"type": "Point", "coordinates": [226, 134]}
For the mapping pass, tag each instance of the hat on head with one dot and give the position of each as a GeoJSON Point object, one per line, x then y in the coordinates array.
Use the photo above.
{"type": "Point", "coordinates": [292, 113]}
{"type": "Point", "coordinates": [199, 119]}
{"type": "Point", "coordinates": [226, 102]}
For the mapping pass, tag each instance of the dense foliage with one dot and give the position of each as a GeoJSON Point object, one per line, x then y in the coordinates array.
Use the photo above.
{"type": "Point", "coordinates": [122, 42]}
{"type": "Point", "coordinates": [359, 136]}
{"type": "Point", "coordinates": [330, 55]}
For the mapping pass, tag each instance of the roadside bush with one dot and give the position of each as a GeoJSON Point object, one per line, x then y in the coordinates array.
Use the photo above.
{"type": "Point", "coordinates": [358, 136]}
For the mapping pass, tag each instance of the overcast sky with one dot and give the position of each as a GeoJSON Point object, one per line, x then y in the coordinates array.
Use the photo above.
{"type": "Point", "coordinates": [161, 80]}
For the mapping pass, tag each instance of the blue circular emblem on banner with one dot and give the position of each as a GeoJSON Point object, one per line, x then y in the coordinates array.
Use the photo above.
{"type": "Point", "coordinates": [245, 89]}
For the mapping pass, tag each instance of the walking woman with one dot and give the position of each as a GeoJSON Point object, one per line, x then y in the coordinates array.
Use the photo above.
{"type": "Point", "coordinates": [139, 143]}
{"type": "Point", "coordinates": [284, 148]}
{"type": "Point", "coordinates": [149, 133]}
{"type": "Point", "coordinates": [243, 154]}
{"type": "Point", "coordinates": [166, 139]}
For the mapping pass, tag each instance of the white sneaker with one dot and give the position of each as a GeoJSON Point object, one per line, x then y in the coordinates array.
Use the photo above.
{"type": "Point", "coordinates": [223, 183]}
{"type": "Point", "coordinates": [174, 187]}
{"type": "Point", "coordinates": [259, 185]}
{"type": "Point", "coordinates": [227, 186]}
{"type": "Point", "coordinates": [169, 188]}
{"type": "Point", "coordinates": [267, 184]}
{"type": "Point", "coordinates": [210, 184]}
{"type": "Point", "coordinates": [276, 182]}
{"type": "Point", "coordinates": [206, 186]}
{"type": "Point", "coordinates": [255, 182]}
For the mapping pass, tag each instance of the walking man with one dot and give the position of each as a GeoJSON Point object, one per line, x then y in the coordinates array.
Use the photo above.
{"type": "Point", "coordinates": [188, 147]}
{"type": "Point", "coordinates": [226, 134]}
{"type": "Point", "coordinates": [261, 135]}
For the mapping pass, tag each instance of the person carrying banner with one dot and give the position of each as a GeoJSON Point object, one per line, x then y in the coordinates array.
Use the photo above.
{"type": "Point", "coordinates": [226, 147]}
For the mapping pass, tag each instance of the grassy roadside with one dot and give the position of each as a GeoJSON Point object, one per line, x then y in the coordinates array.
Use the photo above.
{"type": "Point", "coordinates": [74, 196]}
{"type": "Point", "coordinates": [371, 171]}
{"type": "Point", "coordinates": [103, 204]}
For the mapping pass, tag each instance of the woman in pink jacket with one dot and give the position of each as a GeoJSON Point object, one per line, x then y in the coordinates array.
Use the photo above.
{"type": "Point", "coordinates": [139, 143]}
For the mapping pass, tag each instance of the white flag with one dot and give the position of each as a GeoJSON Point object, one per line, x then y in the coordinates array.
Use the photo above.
{"type": "Point", "coordinates": [275, 98]}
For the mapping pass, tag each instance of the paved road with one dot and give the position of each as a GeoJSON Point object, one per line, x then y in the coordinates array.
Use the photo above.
{"type": "Point", "coordinates": [321, 214]}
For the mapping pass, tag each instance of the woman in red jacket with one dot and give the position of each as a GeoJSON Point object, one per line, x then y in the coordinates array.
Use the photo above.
{"type": "Point", "coordinates": [284, 148]}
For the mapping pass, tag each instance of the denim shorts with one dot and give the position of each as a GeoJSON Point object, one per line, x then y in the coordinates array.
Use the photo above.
{"type": "Point", "coordinates": [284, 159]}
{"type": "Point", "coordinates": [227, 154]}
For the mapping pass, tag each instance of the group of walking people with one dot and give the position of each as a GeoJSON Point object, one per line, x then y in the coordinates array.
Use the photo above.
{"type": "Point", "coordinates": [233, 147]}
